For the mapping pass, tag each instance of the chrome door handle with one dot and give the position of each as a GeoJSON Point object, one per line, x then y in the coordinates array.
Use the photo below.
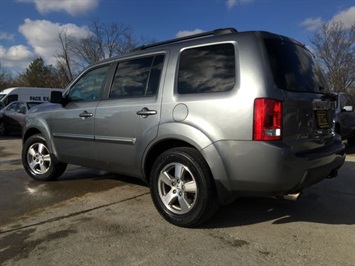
{"type": "Point", "coordinates": [145, 112]}
{"type": "Point", "coordinates": [86, 114]}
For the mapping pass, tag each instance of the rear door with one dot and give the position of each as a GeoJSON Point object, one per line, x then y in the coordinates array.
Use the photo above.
{"type": "Point", "coordinates": [308, 107]}
{"type": "Point", "coordinates": [128, 120]}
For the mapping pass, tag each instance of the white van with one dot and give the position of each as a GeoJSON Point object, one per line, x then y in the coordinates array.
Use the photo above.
{"type": "Point", "coordinates": [26, 94]}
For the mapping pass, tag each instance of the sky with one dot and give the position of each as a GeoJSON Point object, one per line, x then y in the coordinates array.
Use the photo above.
{"type": "Point", "coordinates": [29, 28]}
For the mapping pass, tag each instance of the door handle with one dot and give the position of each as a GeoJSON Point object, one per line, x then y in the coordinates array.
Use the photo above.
{"type": "Point", "coordinates": [85, 114]}
{"type": "Point", "coordinates": [145, 112]}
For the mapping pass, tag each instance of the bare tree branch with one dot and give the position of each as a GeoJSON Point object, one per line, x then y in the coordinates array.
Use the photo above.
{"type": "Point", "coordinates": [335, 49]}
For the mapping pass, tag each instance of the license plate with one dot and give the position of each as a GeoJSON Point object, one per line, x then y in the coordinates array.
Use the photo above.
{"type": "Point", "coordinates": [322, 119]}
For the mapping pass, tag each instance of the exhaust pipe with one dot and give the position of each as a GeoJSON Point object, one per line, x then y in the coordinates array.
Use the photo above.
{"type": "Point", "coordinates": [292, 197]}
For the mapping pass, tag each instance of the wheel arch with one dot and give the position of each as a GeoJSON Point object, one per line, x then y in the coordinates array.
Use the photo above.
{"type": "Point", "coordinates": [36, 130]}
{"type": "Point", "coordinates": [202, 144]}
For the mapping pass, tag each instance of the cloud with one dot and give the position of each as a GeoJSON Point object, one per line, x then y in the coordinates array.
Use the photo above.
{"type": "Point", "coordinates": [232, 3]}
{"type": "Point", "coordinates": [72, 7]}
{"type": "Point", "coordinates": [16, 56]}
{"type": "Point", "coordinates": [43, 41]}
{"type": "Point", "coordinates": [6, 36]}
{"type": "Point", "coordinates": [347, 17]}
{"type": "Point", "coordinates": [43, 37]}
{"type": "Point", "coordinates": [312, 24]}
{"type": "Point", "coordinates": [187, 32]}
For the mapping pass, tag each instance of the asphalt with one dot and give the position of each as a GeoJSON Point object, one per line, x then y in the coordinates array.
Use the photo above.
{"type": "Point", "coordinates": [91, 217]}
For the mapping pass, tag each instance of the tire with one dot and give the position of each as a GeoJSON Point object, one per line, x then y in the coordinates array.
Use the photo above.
{"type": "Point", "coordinates": [38, 162]}
{"type": "Point", "coordinates": [182, 187]}
{"type": "Point", "coordinates": [3, 131]}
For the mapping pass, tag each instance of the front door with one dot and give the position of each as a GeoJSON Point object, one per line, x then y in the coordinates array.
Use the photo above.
{"type": "Point", "coordinates": [73, 123]}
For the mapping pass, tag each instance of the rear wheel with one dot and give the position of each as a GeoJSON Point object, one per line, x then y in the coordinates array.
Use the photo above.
{"type": "Point", "coordinates": [38, 162]}
{"type": "Point", "coordinates": [182, 187]}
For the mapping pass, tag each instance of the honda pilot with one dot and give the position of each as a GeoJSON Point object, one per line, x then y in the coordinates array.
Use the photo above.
{"type": "Point", "coordinates": [203, 119]}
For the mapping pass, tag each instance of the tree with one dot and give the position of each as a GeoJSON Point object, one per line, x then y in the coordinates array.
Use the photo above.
{"type": "Point", "coordinates": [335, 49]}
{"type": "Point", "coordinates": [103, 41]}
{"type": "Point", "coordinates": [66, 59]}
{"type": "Point", "coordinates": [6, 79]}
{"type": "Point", "coordinates": [39, 75]}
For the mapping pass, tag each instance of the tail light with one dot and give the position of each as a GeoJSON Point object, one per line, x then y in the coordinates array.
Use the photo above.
{"type": "Point", "coordinates": [267, 119]}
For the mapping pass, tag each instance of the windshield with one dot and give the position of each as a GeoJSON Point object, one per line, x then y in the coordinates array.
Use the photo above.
{"type": "Point", "coordinates": [294, 68]}
{"type": "Point", "coordinates": [2, 96]}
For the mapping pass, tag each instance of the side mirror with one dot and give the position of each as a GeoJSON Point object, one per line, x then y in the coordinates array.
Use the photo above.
{"type": "Point", "coordinates": [348, 108]}
{"type": "Point", "coordinates": [56, 97]}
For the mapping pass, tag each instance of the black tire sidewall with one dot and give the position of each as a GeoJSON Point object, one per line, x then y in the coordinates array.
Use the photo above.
{"type": "Point", "coordinates": [205, 189]}
{"type": "Point", "coordinates": [52, 172]}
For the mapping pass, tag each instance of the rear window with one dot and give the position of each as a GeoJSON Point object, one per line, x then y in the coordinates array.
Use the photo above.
{"type": "Point", "coordinates": [207, 69]}
{"type": "Point", "coordinates": [138, 77]}
{"type": "Point", "coordinates": [294, 68]}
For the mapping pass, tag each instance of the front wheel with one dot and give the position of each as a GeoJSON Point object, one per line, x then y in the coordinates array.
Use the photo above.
{"type": "Point", "coordinates": [182, 187]}
{"type": "Point", "coordinates": [38, 162]}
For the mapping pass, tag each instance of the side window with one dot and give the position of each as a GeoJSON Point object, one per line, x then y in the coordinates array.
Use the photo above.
{"type": "Point", "coordinates": [11, 98]}
{"type": "Point", "coordinates": [88, 87]}
{"type": "Point", "coordinates": [21, 106]}
{"type": "Point", "coordinates": [137, 77]}
{"type": "Point", "coordinates": [207, 69]}
{"type": "Point", "coordinates": [12, 107]}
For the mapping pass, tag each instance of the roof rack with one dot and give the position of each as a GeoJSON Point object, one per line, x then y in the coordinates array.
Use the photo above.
{"type": "Point", "coordinates": [189, 37]}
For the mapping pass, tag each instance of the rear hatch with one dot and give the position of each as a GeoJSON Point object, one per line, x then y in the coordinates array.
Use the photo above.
{"type": "Point", "coordinates": [308, 106]}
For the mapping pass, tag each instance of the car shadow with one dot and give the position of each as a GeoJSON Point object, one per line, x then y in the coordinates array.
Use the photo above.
{"type": "Point", "coordinates": [349, 149]}
{"type": "Point", "coordinates": [331, 201]}
{"type": "Point", "coordinates": [74, 172]}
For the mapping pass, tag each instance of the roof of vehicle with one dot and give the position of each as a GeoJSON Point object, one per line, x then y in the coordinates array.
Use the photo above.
{"type": "Point", "coordinates": [8, 90]}
{"type": "Point", "coordinates": [217, 33]}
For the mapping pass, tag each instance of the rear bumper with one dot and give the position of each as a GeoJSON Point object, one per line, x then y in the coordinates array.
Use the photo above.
{"type": "Point", "coordinates": [270, 168]}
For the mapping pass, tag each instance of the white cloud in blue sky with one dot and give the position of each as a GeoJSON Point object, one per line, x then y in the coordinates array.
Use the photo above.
{"type": "Point", "coordinates": [312, 23]}
{"type": "Point", "coordinates": [17, 56]}
{"type": "Point", "coordinates": [30, 28]}
{"type": "Point", "coordinates": [347, 17]}
{"type": "Point", "coordinates": [6, 36]}
{"type": "Point", "coordinates": [233, 3]}
{"type": "Point", "coordinates": [72, 7]}
{"type": "Point", "coordinates": [43, 38]}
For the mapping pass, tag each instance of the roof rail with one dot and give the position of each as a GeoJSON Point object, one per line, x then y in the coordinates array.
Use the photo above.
{"type": "Point", "coordinates": [189, 37]}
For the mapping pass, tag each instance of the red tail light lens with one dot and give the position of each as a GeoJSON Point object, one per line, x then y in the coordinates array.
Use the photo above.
{"type": "Point", "coordinates": [267, 119]}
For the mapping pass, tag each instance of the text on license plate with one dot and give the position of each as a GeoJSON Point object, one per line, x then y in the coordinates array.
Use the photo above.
{"type": "Point", "coordinates": [322, 119]}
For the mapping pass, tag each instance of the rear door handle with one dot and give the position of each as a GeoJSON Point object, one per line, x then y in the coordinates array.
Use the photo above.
{"type": "Point", "coordinates": [145, 112]}
{"type": "Point", "coordinates": [86, 114]}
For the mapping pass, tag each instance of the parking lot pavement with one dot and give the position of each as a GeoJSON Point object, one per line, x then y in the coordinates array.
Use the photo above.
{"type": "Point", "coordinates": [91, 217]}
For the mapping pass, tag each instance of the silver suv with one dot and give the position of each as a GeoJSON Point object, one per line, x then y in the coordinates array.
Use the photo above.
{"type": "Point", "coordinates": [202, 119]}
